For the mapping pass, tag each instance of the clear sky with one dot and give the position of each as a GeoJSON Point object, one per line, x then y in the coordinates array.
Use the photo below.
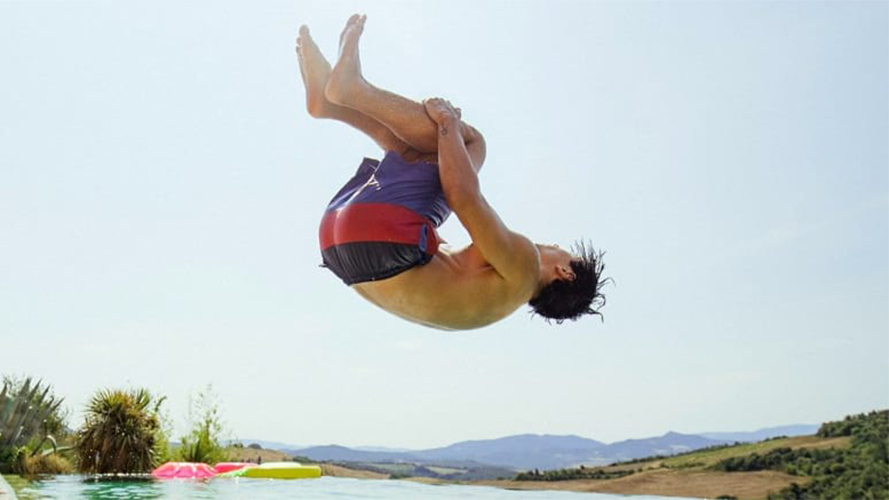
{"type": "Point", "coordinates": [161, 186]}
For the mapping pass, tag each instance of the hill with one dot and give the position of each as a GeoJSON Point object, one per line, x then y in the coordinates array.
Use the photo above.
{"type": "Point", "coordinates": [535, 451]}
{"type": "Point", "coordinates": [521, 452]}
{"type": "Point", "coordinates": [846, 459]}
{"type": "Point", "coordinates": [689, 475]}
{"type": "Point", "coordinates": [336, 453]}
{"type": "Point", "coordinates": [670, 443]}
{"type": "Point", "coordinates": [518, 452]}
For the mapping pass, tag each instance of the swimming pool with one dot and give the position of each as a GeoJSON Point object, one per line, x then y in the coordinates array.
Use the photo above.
{"type": "Point", "coordinates": [325, 488]}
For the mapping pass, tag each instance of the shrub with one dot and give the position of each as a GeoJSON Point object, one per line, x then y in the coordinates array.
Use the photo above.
{"type": "Point", "coordinates": [28, 411]}
{"type": "Point", "coordinates": [570, 474]}
{"type": "Point", "coordinates": [29, 464]}
{"type": "Point", "coordinates": [204, 442]}
{"type": "Point", "coordinates": [120, 433]}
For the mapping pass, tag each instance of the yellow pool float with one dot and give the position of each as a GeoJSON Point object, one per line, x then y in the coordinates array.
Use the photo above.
{"type": "Point", "coordinates": [281, 470]}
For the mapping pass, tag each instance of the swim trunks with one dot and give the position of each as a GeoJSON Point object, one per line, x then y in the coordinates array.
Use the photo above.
{"type": "Point", "coordinates": [383, 221]}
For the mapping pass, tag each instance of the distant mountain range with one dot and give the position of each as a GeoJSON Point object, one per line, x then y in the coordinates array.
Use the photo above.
{"type": "Point", "coordinates": [278, 445]}
{"type": "Point", "coordinates": [534, 451]}
{"type": "Point", "coordinates": [523, 452]}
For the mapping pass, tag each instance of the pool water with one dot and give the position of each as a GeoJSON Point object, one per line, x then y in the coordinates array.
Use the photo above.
{"type": "Point", "coordinates": [325, 488]}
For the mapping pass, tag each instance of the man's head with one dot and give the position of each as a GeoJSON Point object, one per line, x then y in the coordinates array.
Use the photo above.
{"type": "Point", "coordinates": [571, 283]}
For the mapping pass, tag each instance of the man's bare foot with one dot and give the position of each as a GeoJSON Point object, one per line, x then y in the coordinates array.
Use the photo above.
{"type": "Point", "coordinates": [346, 83]}
{"type": "Point", "coordinates": [315, 71]}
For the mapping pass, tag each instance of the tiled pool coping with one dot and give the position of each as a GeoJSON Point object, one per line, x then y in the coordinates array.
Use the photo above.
{"type": "Point", "coordinates": [6, 492]}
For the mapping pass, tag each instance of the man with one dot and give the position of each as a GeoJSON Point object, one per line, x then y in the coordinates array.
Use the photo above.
{"type": "Point", "coordinates": [378, 233]}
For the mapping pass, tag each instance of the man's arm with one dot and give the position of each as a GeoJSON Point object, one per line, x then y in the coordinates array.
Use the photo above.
{"type": "Point", "coordinates": [512, 255]}
{"type": "Point", "coordinates": [475, 145]}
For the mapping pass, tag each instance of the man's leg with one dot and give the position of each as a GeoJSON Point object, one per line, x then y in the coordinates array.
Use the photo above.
{"type": "Point", "coordinates": [347, 87]}
{"type": "Point", "coordinates": [315, 72]}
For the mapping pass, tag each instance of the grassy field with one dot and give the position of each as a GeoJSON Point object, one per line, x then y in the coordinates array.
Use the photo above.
{"type": "Point", "coordinates": [444, 470]}
{"type": "Point", "coordinates": [669, 482]}
{"type": "Point", "coordinates": [339, 471]}
{"type": "Point", "coordinates": [713, 456]}
{"type": "Point", "coordinates": [404, 469]}
{"type": "Point", "coordinates": [705, 458]}
{"type": "Point", "coordinates": [392, 468]}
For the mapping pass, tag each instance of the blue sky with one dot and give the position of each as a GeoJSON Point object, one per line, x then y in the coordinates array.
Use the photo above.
{"type": "Point", "coordinates": [161, 186]}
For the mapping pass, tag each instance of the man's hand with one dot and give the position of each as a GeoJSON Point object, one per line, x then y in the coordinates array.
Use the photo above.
{"type": "Point", "coordinates": [449, 120]}
{"type": "Point", "coordinates": [442, 111]}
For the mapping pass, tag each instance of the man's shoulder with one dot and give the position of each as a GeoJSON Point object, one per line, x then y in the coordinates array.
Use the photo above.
{"type": "Point", "coordinates": [468, 272]}
{"type": "Point", "coordinates": [526, 257]}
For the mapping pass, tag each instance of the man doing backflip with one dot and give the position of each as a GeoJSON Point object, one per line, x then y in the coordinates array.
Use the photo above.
{"type": "Point", "coordinates": [378, 234]}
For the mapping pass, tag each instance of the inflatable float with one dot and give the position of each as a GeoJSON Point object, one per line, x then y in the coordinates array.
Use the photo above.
{"type": "Point", "coordinates": [223, 467]}
{"type": "Point", "coordinates": [277, 470]}
{"type": "Point", "coordinates": [188, 470]}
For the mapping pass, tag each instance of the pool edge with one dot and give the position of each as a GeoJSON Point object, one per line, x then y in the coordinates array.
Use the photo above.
{"type": "Point", "coordinates": [6, 491]}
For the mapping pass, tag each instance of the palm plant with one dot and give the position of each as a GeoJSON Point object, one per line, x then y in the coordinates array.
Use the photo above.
{"type": "Point", "coordinates": [120, 434]}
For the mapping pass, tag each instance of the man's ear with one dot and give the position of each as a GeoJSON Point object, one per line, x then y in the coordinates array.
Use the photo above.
{"type": "Point", "coordinates": [565, 273]}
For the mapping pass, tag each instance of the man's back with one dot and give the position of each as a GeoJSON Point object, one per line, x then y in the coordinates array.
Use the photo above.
{"type": "Point", "coordinates": [455, 291]}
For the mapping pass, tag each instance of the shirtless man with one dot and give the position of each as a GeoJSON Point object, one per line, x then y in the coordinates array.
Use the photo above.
{"type": "Point", "coordinates": [378, 233]}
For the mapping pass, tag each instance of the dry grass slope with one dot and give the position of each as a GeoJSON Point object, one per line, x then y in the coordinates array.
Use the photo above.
{"type": "Point", "coordinates": [713, 456]}
{"type": "Point", "coordinates": [667, 482]}
{"type": "Point", "coordinates": [339, 471]}
{"type": "Point", "coordinates": [251, 454]}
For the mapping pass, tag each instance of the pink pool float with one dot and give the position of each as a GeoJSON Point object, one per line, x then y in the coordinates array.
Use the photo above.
{"type": "Point", "coordinates": [189, 470]}
{"type": "Point", "coordinates": [223, 467]}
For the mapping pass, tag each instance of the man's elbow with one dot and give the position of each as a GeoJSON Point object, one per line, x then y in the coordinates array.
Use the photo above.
{"type": "Point", "coordinates": [479, 137]}
{"type": "Point", "coordinates": [471, 134]}
{"type": "Point", "coordinates": [475, 146]}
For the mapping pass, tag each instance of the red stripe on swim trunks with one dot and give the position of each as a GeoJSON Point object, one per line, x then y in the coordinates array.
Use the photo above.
{"type": "Point", "coordinates": [360, 222]}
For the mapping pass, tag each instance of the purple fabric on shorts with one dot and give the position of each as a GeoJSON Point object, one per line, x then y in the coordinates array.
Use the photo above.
{"type": "Point", "coordinates": [415, 186]}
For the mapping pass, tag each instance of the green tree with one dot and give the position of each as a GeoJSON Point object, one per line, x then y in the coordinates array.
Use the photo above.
{"type": "Point", "coordinates": [121, 432]}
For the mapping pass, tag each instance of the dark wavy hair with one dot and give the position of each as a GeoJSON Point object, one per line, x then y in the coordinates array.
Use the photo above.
{"type": "Point", "coordinates": [564, 299]}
